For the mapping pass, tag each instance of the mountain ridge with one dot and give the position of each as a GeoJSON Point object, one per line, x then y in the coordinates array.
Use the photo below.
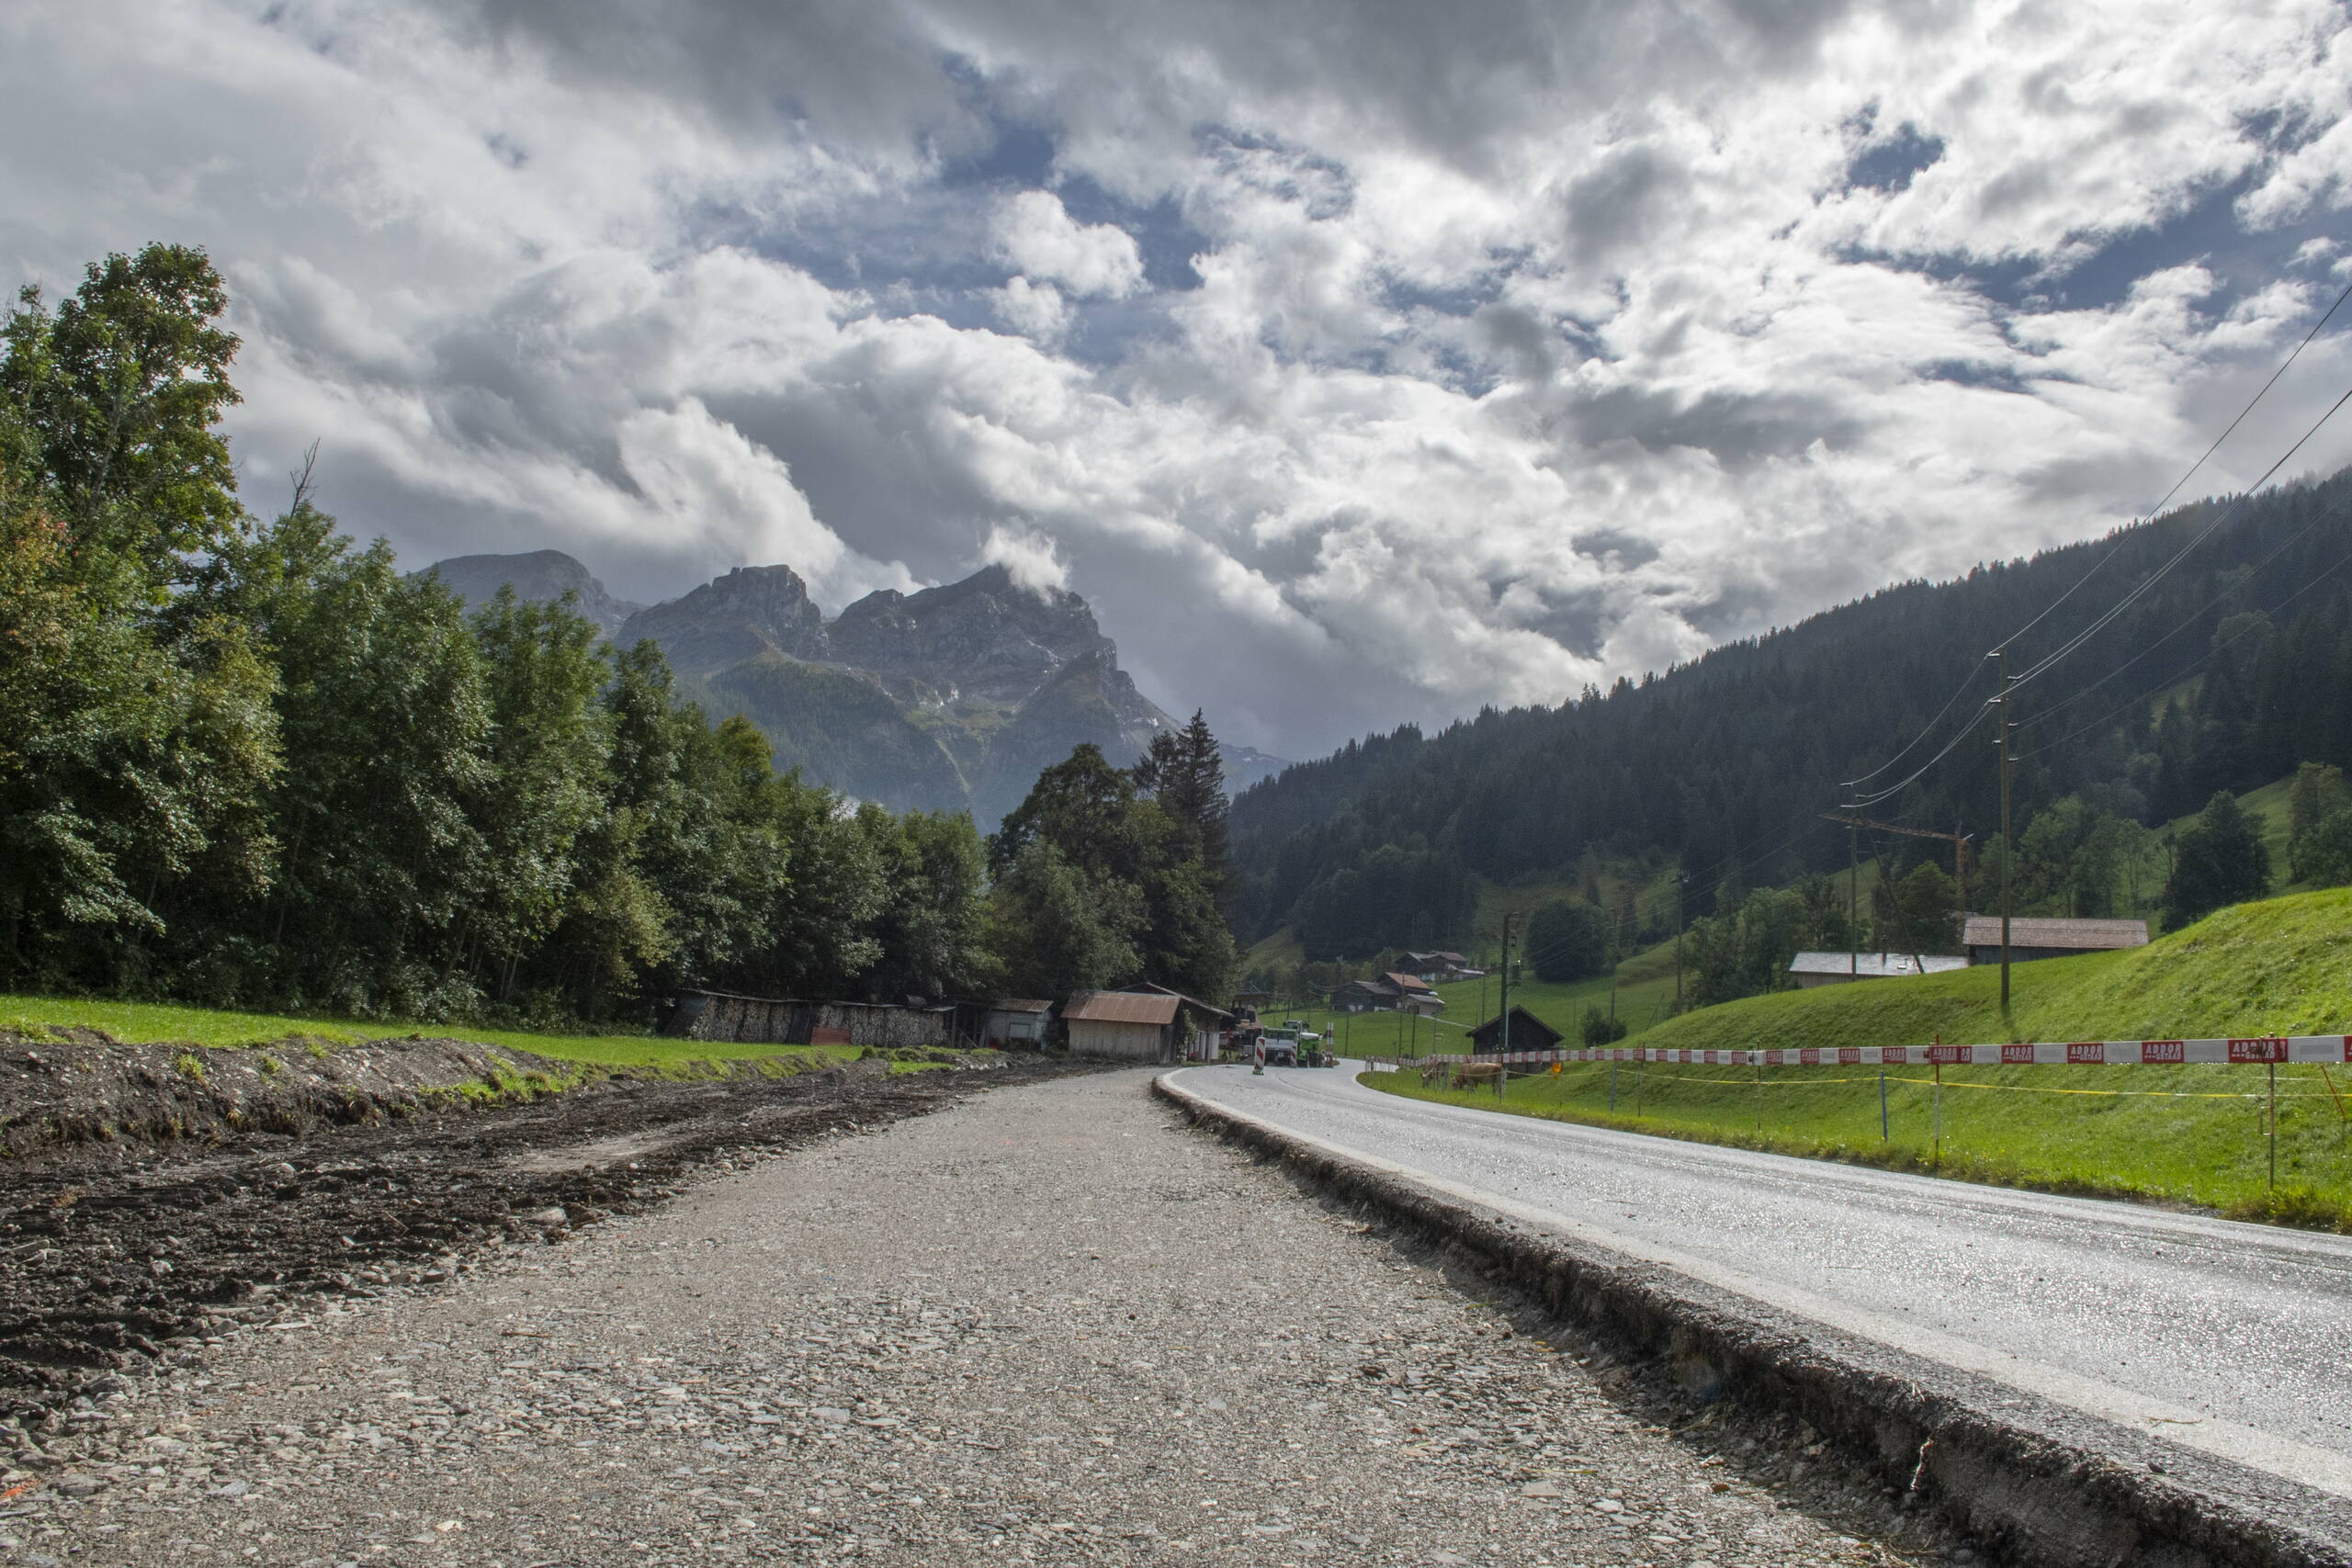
{"type": "Point", "coordinates": [1724, 767]}
{"type": "Point", "coordinates": [953, 697]}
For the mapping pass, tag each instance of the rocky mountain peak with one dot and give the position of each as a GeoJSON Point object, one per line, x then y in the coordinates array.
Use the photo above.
{"type": "Point", "coordinates": [950, 698]}
{"type": "Point", "coordinates": [988, 637]}
{"type": "Point", "coordinates": [751, 611]}
{"type": "Point", "coordinates": [537, 577]}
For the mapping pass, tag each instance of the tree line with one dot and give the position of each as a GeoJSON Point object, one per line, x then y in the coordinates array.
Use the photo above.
{"type": "Point", "coordinates": [249, 762]}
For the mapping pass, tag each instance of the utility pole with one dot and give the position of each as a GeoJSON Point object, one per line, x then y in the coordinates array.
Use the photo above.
{"type": "Point", "coordinates": [1854, 895]}
{"type": "Point", "coordinates": [2008, 849]}
{"type": "Point", "coordinates": [1956, 839]}
{"type": "Point", "coordinates": [1506, 992]}
{"type": "Point", "coordinates": [1681, 886]}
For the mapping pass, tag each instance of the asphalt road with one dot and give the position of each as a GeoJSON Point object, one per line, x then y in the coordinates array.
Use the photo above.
{"type": "Point", "coordinates": [2223, 1337]}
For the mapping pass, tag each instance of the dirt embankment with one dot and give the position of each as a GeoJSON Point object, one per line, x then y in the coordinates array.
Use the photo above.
{"type": "Point", "coordinates": [78, 1086]}
{"type": "Point", "coordinates": [372, 1166]}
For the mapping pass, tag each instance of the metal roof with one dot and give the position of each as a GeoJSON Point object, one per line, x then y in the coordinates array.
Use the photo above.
{"type": "Point", "coordinates": [1193, 1002]}
{"type": "Point", "coordinates": [2042, 931]}
{"type": "Point", "coordinates": [1874, 965]}
{"type": "Point", "coordinates": [1017, 1005]}
{"type": "Point", "coordinates": [1405, 982]}
{"type": "Point", "coordinates": [1528, 1033]}
{"type": "Point", "coordinates": [1121, 1006]}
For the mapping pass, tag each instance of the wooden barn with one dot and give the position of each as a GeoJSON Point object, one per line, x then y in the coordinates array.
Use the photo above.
{"type": "Point", "coordinates": [1144, 1026]}
{"type": "Point", "coordinates": [1528, 1033]}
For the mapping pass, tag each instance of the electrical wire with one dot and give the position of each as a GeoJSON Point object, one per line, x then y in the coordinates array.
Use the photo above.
{"type": "Point", "coordinates": [2322, 576]}
{"type": "Point", "coordinates": [2184, 623]}
{"type": "Point", "coordinates": [2244, 500]}
{"type": "Point", "coordinates": [2190, 471]}
{"type": "Point", "coordinates": [2113, 550]}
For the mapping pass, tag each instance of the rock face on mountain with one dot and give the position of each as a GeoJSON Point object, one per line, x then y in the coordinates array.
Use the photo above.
{"type": "Point", "coordinates": [751, 611]}
{"type": "Point", "coordinates": [540, 576]}
{"type": "Point", "coordinates": [950, 699]}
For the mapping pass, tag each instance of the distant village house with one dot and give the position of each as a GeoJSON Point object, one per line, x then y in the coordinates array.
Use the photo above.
{"type": "Point", "coordinates": [1812, 969]}
{"type": "Point", "coordinates": [2036, 936]}
{"type": "Point", "coordinates": [1393, 992]}
{"type": "Point", "coordinates": [1528, 1033]}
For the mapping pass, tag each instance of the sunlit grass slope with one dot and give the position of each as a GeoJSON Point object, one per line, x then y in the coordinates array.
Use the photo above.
{"type": "Point", "coordinates": [139, 1022]}
{"type": "Point", "coordinates": [2191, 1133]}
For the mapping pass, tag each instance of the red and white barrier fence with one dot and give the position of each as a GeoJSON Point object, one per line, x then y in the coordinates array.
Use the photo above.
{"type": "Point", "coordinates": [2329, 1048]}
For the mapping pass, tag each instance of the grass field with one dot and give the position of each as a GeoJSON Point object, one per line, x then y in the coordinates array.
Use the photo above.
{"type": "Point", "coordinates": [2191, 1135]}
{"type": "Point", "coordinates": [142, 1023]}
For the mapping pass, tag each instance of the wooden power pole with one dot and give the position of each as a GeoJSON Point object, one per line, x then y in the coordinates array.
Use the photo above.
{"type": "Point", "coordinates": [2008, 849]}
{"type": "Point", "coordinates": [1506, 991]}
{"type": "Point", "coordinates": [1958, 840]}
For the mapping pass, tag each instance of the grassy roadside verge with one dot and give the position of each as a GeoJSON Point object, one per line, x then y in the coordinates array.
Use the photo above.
{"type": "Point", "coordinates": [2185, 1135]}
{"type": "Point", "coordinates": [150, 1023]}
{"type": "Point", "coordinates": [2029, 1127]}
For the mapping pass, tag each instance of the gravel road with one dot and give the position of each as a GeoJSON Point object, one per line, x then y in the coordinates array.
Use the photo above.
{"type": "Point", "coordinates": [115, 1250]}
{"type": "Point", "coordinates": [1047, 1323]}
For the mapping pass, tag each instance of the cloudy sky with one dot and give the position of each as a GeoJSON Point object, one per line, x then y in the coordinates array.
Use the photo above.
{"type": "Point", "coordinates": [1360, 360]}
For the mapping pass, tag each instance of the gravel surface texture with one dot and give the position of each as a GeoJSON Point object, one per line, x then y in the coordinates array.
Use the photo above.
{"type": "Point", "coordinates": [115, 1252]}
{"type": "Point", "coordinates": [1047, 1323]}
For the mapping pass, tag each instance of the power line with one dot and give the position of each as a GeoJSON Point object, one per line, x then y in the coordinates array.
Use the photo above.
{"type": "Point", "coordinates": [2244, 500]}
{"type": "Point", "coordinates": [2184, 623]}
{"type": "Point", "coordinates": [2202, 459]}
{"type": "Point", "coordinates": [2322, 576]}
{"type": "Point", "coordinates": [2114, 549]}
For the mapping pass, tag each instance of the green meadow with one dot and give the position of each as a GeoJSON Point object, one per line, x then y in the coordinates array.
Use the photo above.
{"type": "Point", "coordinates": [2189, 1135]}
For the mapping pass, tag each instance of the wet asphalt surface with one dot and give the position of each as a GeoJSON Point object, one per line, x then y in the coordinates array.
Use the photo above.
{"type": "Point", "coordinates": [2234, 1321]}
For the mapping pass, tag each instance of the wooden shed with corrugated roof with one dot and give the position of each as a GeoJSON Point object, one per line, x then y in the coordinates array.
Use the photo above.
{"type": "Point", "coordinates": [2042, 936]}
{"type": "Point", "coordinates": [1142, 1026]}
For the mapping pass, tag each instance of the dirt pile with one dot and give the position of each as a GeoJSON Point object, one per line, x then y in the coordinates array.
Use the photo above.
{"type": "Point", "coordinates": [118, 1253]}
{"type": "Point", "coordinates": [78, 1085]}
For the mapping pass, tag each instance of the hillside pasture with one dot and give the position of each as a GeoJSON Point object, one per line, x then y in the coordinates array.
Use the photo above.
{"type": "Point", "coordinates": [2193, 1134]}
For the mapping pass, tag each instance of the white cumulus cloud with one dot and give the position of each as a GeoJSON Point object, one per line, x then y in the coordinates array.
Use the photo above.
{"type": "Point", "coordinates": [1037, 235]}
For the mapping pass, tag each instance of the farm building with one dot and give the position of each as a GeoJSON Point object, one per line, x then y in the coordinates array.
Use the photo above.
{"type": "Point", "coordinates": [1144, 1026]}
{"type": "Point", "coordinates": [1812, 969]}
{"type": "Point", "coordinates": [1016, 1025]}
{"type": "Point", "coordinates": [1439, 965]}
{"type": "Point", "coordinates": [1363, 996]}
{"type": "Point", "coordinates": [2038, 936]}
{"type": "Point", "coordinates": [1393, 992]}
{"type": "Point", "coordinates": [777, 1020]}
{"type": "Point", "coordinates": [1528, 1033]}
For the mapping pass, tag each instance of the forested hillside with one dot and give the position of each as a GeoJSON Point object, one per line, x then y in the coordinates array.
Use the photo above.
{"type": "Point", "coordinates": [2227, 674]}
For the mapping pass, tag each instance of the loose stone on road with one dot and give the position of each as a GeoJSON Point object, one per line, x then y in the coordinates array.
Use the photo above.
{"type": "Point", "coordinates": [1045, 1324]}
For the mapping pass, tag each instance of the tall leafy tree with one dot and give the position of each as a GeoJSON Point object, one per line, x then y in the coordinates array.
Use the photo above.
{"type": "Point", "coordinates": [2317, 794]}
{"type": "Point", "coordinates": [136, 733]}
{"type": "Point", "coordinates": [385, 715]}
{"type": "Point", "coordinates": [121, 388]}
{"type": "Point", "coordinates": [933, 932]}
{"type": "Point", "coordinates": [1568, 939]}
{"type": "Point", "coordinates": [1926, 905]}
{"type": "Point", "coordinates": [2220, 858]}
{"type": "Point", "coordinates": [543, 673]}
